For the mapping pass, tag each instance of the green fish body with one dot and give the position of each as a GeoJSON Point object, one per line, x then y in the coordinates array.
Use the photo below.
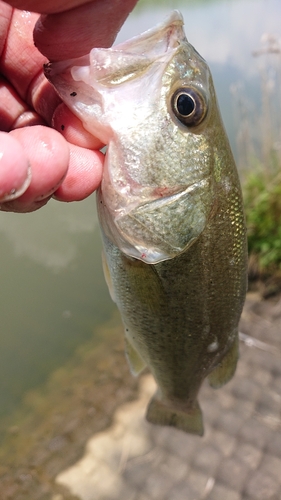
{"type": "Point", "coordinates": [170, 208]}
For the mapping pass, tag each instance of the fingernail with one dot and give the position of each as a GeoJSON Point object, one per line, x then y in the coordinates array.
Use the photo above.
{"type": "Point", "coordinates": [18, 191]}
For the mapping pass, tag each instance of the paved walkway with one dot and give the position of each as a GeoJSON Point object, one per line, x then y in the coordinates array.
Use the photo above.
{"type": "Point", "coordinates": [239, 457]}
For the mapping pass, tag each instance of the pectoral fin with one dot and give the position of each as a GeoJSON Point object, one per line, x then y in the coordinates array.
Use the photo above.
{"type": "Point", "coordinates": [145, 284]}
{"type": "Point", "coordinates": [107, 276]}
{"type": "Point", "coordinates": [226, 368]}
{"type": "Point", "coordinates": [136, 363]}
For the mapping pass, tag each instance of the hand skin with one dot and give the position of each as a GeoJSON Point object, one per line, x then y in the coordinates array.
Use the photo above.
{"type": "Point", "coordinates": [36, 161]}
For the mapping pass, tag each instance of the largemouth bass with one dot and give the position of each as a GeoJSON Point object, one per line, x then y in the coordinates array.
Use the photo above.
{"type": "Point", "coordinates": [170, 209]}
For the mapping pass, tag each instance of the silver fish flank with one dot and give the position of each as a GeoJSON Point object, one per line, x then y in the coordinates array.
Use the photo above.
{"type": "Point", "coordinates": [170, 210]}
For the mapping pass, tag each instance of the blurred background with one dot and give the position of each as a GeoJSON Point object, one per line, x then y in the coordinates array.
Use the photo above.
{"type": "Point", "coordinates": [62, 367]}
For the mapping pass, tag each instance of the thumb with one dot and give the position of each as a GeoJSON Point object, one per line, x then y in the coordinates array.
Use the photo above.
{"type": "Point", "coordinates": [75, 32]}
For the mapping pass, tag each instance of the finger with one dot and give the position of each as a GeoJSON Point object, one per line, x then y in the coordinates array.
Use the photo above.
{"type": "Point", "coordinates": [48, 157]}
{"type": "Point", "coordinates": [83, 176]}
{"type": "Point", "coordinates": [94, 24]}
{"type": "Point", "coordinates": [5, 20]}
{"type": "Point", "coordinates": [14, 112]}
{"type": "Point", "coordinates": [72, 129]}
{"type": "Point", "coordinates": [15, 174]}
{"type": "Point", "coordinates": [24, 86]}
{"type": "Point", "coordinates": [45, 7]}
{"type": "Point", "coordinates": [20, 61]}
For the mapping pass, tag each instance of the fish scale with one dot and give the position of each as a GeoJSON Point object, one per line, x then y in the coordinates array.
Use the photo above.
{"type": "Point", "coordinates": [170, 210]}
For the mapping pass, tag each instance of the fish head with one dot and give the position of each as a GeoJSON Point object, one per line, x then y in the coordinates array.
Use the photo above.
{"type": "Point", "coordinates": [152, 101]}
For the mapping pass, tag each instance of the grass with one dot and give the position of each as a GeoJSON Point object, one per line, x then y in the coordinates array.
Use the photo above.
{"type": "Point", "coordinates": [262, 199]}
{"type": "Point", "coordinates": [259, 147]}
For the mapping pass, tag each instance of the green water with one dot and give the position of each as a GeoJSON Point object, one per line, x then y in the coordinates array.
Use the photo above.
{"type": "Point", "coordinates": [52, 294]}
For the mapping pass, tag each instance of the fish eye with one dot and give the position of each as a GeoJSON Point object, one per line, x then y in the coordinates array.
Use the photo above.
{"type": "Point", "coordinates": [189, 106]}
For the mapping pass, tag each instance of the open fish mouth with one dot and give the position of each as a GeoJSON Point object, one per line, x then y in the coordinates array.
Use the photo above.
{"type": "Point", "coordinates": [129, 59]}
{"type": "Point", "coordinates": [83, 82]}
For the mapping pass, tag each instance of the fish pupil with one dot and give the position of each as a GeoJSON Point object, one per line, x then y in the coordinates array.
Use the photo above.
{"type": "Point", "coordinates": [189, 106]}
{"type": "Point", "coordinates": [185, 104]}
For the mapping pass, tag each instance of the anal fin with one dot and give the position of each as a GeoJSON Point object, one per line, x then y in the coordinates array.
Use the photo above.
{"type": "Point", "coordinates": [136, 363]}
{"type": "Point", "coordinates": [226, 368]}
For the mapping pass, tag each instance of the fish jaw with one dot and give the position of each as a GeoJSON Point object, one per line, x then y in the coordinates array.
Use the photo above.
{"type": "Point", "coordinates": [83, 82]}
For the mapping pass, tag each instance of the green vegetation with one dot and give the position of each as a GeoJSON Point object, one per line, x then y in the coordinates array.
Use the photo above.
{"type": "Point", "coordinates": [259, 145]}
{"type": "Point", "coordinates": [262, 198]}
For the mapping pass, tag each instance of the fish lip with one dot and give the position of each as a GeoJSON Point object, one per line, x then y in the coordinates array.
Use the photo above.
{"type": "Point", "coordinates": [163, 37]}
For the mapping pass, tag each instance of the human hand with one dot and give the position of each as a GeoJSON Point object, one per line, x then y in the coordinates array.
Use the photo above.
{"type": "Point", "coordinates": [38, 162]}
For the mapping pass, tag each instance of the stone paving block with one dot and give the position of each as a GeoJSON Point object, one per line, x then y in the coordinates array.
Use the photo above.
{"type": "Point", "coordinates": [126, 492]}
{"type": "Point", "coordinates": [182, 491]}
{"type": "Point", "coordinates": [261, 486]}
{"type": "Point", "coordinates": [255, 433]}
{"type": "Point", "coordinates": [243, 408]}
{"type": "Point", "coordinates": [256, 358]}
{"type": "Point", "coordinates": [173, 466]}
{"type": "Point", "coordinates": [233, 473]}
{"type": "Point", "coordinates": [156, 484]}
{"type": "Point", "coordinates": [198, 481]}
{"type": "Point", "coordinates": [182, 445]}
{"type": "Point", "coordinates": [262, 377]}
{"type": "Point", "coordinates": [207, 459]}
{"type": "Point", "coordinates": [248, 454]}
{"type": "Point", "coordinates": [274, 444]}
{"type": "Point", "coordinates": [230, 422]}
{"type": "Point", "coordinates": [276, 385]}
{"type": "Point", "coordinates": [210, 409]}
{"type": "Point", "coordinates": [275, 365]}
{"type": "Point", "coordinates": [271, 465]}
{"type": "Point", "coordinates": [136, 474]}
{"type": "Point", "coordinates": [220, 492]}
{"type": "Point", "coordinates": [274, 497]}
{"type": "Point", "coordinates": [140, 496]}
{"type": "Point", "coordinates": [248, 390]}
{"type": "Point", "coordinates": [226, 444]}
{"type": "Point", "coordinates": [268, 403]}
{"type": "Point", "coordinates": [160, 435]}
{"type": "Point", "coordinates": [224, 396]}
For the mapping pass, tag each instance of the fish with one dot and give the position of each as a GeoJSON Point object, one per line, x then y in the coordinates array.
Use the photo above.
{"type": "Point", "coordinates": [170, 209]}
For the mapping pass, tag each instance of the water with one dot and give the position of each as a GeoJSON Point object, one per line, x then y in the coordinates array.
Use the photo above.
{"type": "Point", "coordinates": [53, 295]}
{"type": "Point", "coordinates": [54, 292]}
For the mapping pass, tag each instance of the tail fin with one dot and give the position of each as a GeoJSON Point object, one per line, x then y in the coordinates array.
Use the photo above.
{"type": "Point", "coordinates": [189, 421]}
